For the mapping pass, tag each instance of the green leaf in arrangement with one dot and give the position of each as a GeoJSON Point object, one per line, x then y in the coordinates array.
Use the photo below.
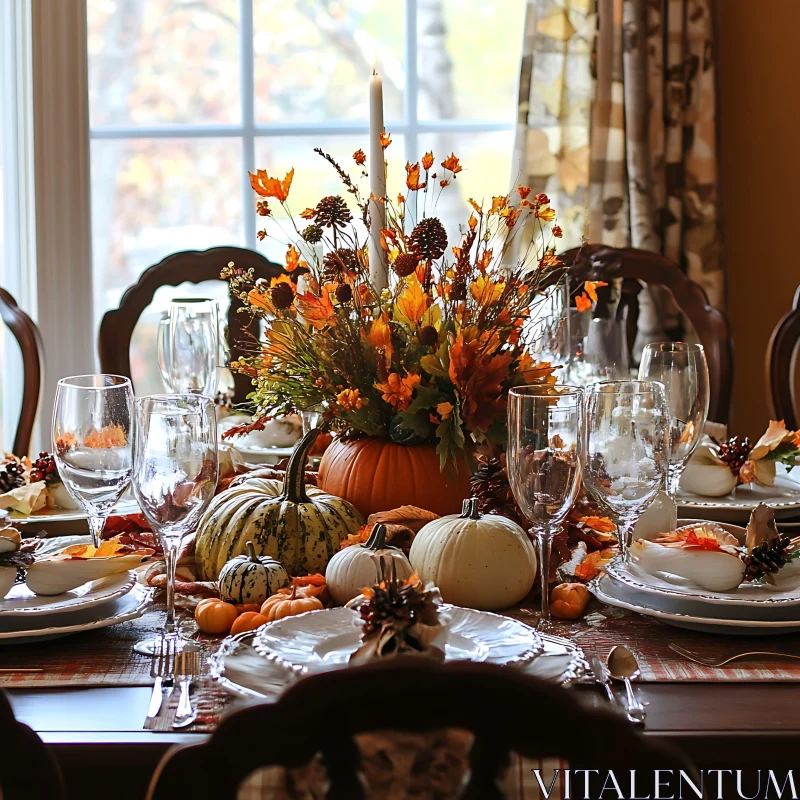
{"type": "Point", "coordinates": [426, 398]}
{"type": "Point", "coordinates": [451, 437]}
{"type": "Point", "coordinates": [410, 428]}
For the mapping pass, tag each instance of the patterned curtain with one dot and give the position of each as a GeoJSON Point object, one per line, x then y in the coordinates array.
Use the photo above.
{"type": "Point", "coordinates": [616, 123]}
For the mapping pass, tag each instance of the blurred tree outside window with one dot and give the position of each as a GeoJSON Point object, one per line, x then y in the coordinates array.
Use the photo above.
{"type": "Point", "coordinates": [186, 96]}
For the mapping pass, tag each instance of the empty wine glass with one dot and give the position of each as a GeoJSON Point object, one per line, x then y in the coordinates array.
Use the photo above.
{"type": "Point", "coordinates": [174, 477]}
{"type": "Point", "coordinates": [193, 346]}
{"type": "Point", "coordinates": [545, 431]}
{"type": "Point", "coordinates": [627, 449]}
{"type": "Point", "coordinates": [549, 330]}
{"type": "Point", "coordinates": [605, 350]}
{"type": "Point", "coordinates": [683, 370]}
{"type": "Point", "coordinates": [163, 345]}
{"type": "Point", "coordinates": [92, 424]}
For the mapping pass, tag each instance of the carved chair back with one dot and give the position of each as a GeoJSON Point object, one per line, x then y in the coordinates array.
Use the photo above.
{"type": "Point", "coordinates": [190, 266]}
{"type": "Point", "coordinates": [783, 353]}
{"type": "Point", "coordinates": [29, 339]}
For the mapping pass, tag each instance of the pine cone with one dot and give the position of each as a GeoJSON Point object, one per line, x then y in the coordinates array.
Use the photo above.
{"type": "Point", "coordinates": [45, 469]}
{"type": "Point", "coordinates": [282, 295]}
{"type": "Point", "coordinates": [734, 453]}
{"type": "Point", "coordinates": [332, 212]}
{"type": "Point", "coordinates": [338, 262]}
{"type": "Point", "coordinates": [428, 239]}
{"type": "Point", "coordinates": [767, 558]}
{"type": "Point", "coordinates": [489, 484]}
{"type": "Point", "coordinates": [11, 476]}
{"type": "Point", "coordinates": [405, 264]}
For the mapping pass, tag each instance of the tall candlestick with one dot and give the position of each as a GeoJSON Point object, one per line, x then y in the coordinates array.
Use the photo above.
{"type": "Point", "coordinates": [378, 263]}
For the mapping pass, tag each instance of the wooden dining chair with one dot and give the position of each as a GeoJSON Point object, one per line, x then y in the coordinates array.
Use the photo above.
{"type": "Point", "coordinates": [190, 266]}
{"type": "Point", "coordinates": [29, 339]}
{"type": "Point", "coordinates": [635, 267]}
{"type": "Point", "coordinates": [342, 716]}
{"type": "Point", "coordinates": [27, 768]}
{"type": "Point", "coordinates": [783, 353]}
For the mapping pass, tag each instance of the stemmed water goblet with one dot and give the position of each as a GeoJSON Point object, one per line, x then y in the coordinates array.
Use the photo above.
{"type": "Point", "coordinates": [189, 346]}
{"type": "Point", "coordinates": [545, 431]}
{"type": "Point", "coordinates": [175, 467]}
{"type": "Point", "coordinates": [626, 449]}
{"type": "Point", "coordinates": [683, 370]}
{"type": "Point", "coordinates": [92, 426]}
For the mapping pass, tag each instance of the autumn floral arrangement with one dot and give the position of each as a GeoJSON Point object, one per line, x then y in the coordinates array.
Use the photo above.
{"type": "Point", "coordinates": [430, 356]}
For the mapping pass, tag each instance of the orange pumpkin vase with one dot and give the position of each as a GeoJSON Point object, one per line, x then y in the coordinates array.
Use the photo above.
{"type": "Point", "coordinates": [376, 474]}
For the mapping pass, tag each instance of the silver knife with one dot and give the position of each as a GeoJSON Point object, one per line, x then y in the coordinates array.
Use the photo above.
{"type": "Point", "coordinates": [156, 698]}
{"type": "Point", "coordinates": [601, 676]}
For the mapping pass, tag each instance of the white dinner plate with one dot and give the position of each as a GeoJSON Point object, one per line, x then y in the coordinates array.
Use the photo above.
{"type": "Point", "coordinates": [612, 593]}
{"type": "Point", "coordinates": [320, 639]}
{"type": "Point", "coordinates": [22, 602]}
{"type": "Point", "coordinates": [131, 606]}
{"type": "Point", "coordinates": [242, 670]}
{"type": "Point", "coordinates": [51, 515]}
{"type": "Point", "coordinates": [785, 593]}
{"type": "Point", "coordinates": [737, 506]}
{"type": "Point", "coordinates": [263, 455]}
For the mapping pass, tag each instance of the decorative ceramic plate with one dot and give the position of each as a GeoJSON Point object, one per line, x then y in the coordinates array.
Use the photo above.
{"type": "Point", "coordinates": [318, 640]}
{"type": "Point", "coordinates": [50, 515]}
{"type": "Point", "coordinates": [245, 672]}
{"type": "Point", "coordinates": [612, 593]}
{"type": "Point", "coordinates": [22, 602]}
{"type": "Point", "coordinates": [666, 586]}
{"type": "Point", "coordinates": [784, 498]}
{"type": "Point", "coordinates": [131, 606]}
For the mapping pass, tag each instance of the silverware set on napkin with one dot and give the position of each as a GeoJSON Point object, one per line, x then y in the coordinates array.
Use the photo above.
{"type": "Point", "coordinates": [167, 670]}
{"type": "Point", "coordinates": [620, 665]}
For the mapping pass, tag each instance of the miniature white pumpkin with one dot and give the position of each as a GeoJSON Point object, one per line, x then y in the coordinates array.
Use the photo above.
{"type": "Point", "coordinates": [251, 578]}
{"type": "Point", "coordinates": [355, 567]}
{"type": "Point", "coordinates": [484, 562]}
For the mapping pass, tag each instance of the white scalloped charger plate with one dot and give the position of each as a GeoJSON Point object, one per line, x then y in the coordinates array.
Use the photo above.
{"type": "Point", "coordinates": [131, 606]}
{"type": "Point", "coordinates": [612, 593]}
{"type": "Point", "coordinates": [328, 637]}
{"type": "Point", "coordinates": [50, 515]}
{"type": "Point", "coordinates": [22, 602]}
{"type": "Point", "coordinates": [239, 668]}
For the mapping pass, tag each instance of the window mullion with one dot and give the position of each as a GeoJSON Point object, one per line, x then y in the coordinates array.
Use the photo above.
{"type": "Point", "coordinates": [247, 91]}
{"type": "Point", "coordinates": [410, 93]}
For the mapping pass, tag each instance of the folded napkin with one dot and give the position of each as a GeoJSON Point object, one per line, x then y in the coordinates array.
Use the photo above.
{"type": "Point", "coordinates": [706, 473]}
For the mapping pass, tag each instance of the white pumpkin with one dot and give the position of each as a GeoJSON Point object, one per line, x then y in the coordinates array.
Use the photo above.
{"type": "Point", "coordinates": [355, 567]}
{"type": "Point", "coordinates": [484, 562]}
{"type": "Point", "coordinates": [251, 578]}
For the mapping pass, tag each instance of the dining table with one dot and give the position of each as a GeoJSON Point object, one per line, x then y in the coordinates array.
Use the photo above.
{"type": "Point", "coordinates": [90, 700]}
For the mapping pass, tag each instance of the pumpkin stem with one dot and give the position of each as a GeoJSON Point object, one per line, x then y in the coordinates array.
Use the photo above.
{"type": "Point", "coordinates": [251, 552]}
{"type": "Point", "coordinates": [294, 483]}
{"type": "Point", "coordinates": [469, 509]}
{"type": "Point", "coordinates": [377, 539]}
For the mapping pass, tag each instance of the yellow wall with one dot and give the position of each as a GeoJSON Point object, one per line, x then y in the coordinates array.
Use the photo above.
{"type": "Point", "coordinates": [759, 115]}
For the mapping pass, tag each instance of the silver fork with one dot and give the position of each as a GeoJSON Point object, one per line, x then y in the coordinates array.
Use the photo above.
{"type": "Point", "coordinates": [161, 671]}
{"type": "Point", "coordinates": [715, 662]}
{"type": "Point", "coordinates": [187, 668]}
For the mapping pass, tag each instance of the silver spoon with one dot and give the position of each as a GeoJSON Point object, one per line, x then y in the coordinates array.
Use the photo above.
{"type": "Point", "coordinates": [622, 666]}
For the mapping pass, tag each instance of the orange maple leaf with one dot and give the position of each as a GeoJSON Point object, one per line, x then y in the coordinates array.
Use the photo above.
{"type": "Point", "coordinates": [380, 333]}
{"type": "Point", "coordinates": [413, 301]}
{"type": "Point", "coordinates": [397, 391]}
{"type": "Point", "coordinates": [427, 161]}
{"type": "Point", "coordinates": [498, 204]}
{"type": "Point", "coordinates": [451, 163]}
{"type": "Point", "coordinates": [264, 186]}
{"type": "Point", "coordinates": [472, 222]}
{"type": "Point", "coordinates": [557, 232]}
{"type": "Point", "coordinates": [476, 207]}
{"type": "Point", "coordinates": [386, 139]}
{"type": "Point", "coordinates": [308, 213]}
{"type": "Point", "coordinates": [582, 302]}
{"type": "Point", "coordinates": [594, 563]}
{"type": "Point", "coordinates": [293, 259]}
{"type": "Point", "coordinates": [523, 192]}
{"type": "Point", "coordinates": [591, 288]}
{"type": "Point", "coordinates": [359, 157]}
{"type": "Point", "coordinates": [533, 372]}
{"type": "Point", "coordinates": [547, 214]}
{"type": "Point", "coordinates": [259, 300]}
{"type": "Point", "coordinates": [599, 524]}
{"type": "Point", "coordinates": [412, 177]}
{"type": "Point", "coordinates": [317, 309]}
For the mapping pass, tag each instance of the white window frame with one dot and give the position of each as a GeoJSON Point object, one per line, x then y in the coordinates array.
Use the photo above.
{"type": "Point", "coordinates": [247, 131]}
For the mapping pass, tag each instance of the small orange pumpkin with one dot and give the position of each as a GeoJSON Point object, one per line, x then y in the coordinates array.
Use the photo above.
{"type": "Point", "coordinates": [288, 605]}
{"type": "Point", "coordinates": [248, 621]}
{"type": "Point", "coordinates": [215, 616]}
{"type": "Point", "coordinates": [569, 600]}
{"type": "Point", "coordinates": [309, 586]}
{"type": "Point", "coordinates": [376, 474]}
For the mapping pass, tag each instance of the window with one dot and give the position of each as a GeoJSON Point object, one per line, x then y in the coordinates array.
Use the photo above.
{"type": "Point", "coordinates": [186, 97]}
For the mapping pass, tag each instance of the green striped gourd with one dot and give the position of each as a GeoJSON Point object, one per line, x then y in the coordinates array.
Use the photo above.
{"type": "Point", "coordinates": [300, 526]}
{"type": "Point", "coordinates": [251, 578]}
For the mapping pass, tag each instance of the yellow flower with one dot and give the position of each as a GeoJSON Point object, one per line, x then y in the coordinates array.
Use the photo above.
{"type": "Point", "coordinates": [351, 400]}
{"type": "Point", "coordinates": [444, 410]}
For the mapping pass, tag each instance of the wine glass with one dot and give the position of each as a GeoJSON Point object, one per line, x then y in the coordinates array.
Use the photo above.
{"type": "Point", "coordinates": [92, 425]}
{"type": "Point", "coordinates": [545, 433]}
{"type": "Point", "coordinates": [683, 370]}
{"type": "Point", "coordinates": [175, 468]}
{"type": "Point", "coordinates": [627, 449]}
{"type": "Point", "coordinates": [550, 330]}
{"type": "Point", "coordinates": [163, 344]}
{"type": "Point", "coordinates": [193, 345]}
{"type": "Point", "coordinates": [605, 350]}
